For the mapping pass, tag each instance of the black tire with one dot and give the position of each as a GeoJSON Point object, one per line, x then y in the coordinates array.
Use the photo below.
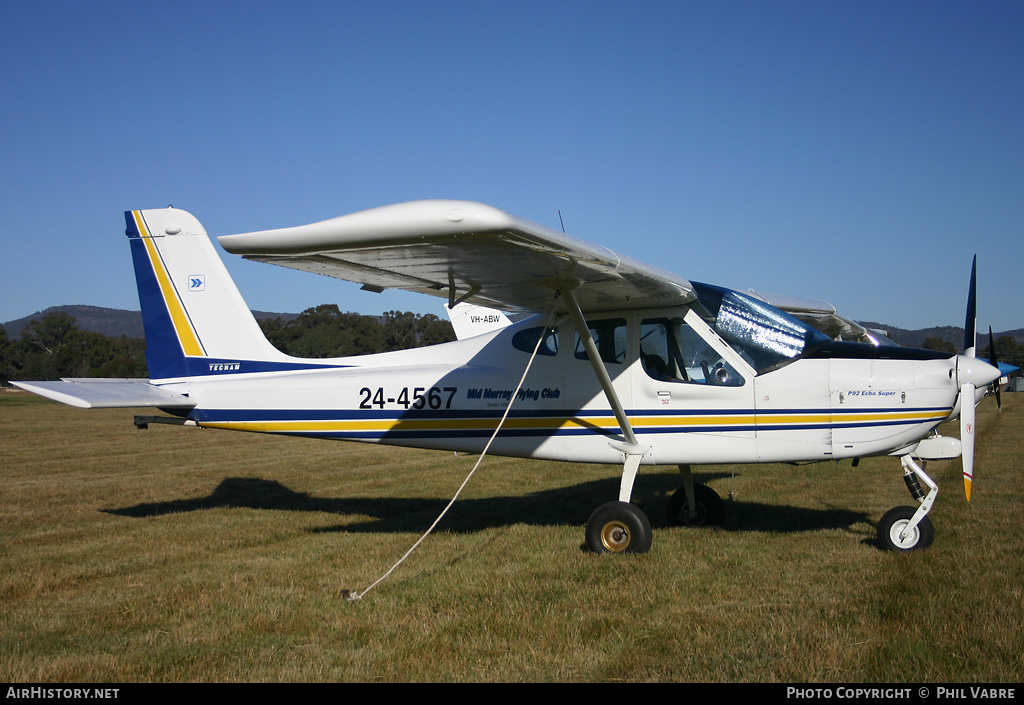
{"type": "Point", "coordinates": [710, 508]}
{"type": "Point", "coordinates": [892, 524]}
{"type": "Point", "coordinates": [618, 527]}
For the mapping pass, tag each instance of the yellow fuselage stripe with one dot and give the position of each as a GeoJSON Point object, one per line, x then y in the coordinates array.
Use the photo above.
{"type": "Point", "coordinates": [454, 424]}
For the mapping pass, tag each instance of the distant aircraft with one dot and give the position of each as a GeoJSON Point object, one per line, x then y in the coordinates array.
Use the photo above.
{"type": "Point", "coordinates": [632, 365]}
{"type": "Point", "coordinates": [469, 320]}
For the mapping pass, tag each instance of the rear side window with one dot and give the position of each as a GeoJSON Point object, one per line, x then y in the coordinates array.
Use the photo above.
{"type": "Point", "coordinates": [526, 340]}
{"type": "Point", "coordinates": [609, 336]}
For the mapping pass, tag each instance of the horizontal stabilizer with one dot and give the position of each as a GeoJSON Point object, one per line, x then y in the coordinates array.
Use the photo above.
{"type": "Point", "coordinates": [88, 393]}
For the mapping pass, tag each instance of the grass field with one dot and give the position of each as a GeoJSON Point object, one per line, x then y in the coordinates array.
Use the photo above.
{"type": "Point", "coordinates": [178, 554]}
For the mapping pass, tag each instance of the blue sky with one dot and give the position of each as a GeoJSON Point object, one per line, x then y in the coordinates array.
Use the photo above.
{"type": "Point", "coordinates": [856, 152]}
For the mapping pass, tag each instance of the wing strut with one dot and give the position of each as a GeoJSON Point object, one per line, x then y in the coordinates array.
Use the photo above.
{"type": "Point", "coordinates": [632, 448]}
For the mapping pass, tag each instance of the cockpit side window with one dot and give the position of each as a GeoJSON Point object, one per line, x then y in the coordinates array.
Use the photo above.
{"type": "Point", "coordinates": [766, 337]}
{"type": "Point", "coordinates": [671, 351]}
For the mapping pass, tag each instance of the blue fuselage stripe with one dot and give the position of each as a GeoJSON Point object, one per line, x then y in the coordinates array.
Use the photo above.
{"type": "Point", "coordinates": [377, 424]}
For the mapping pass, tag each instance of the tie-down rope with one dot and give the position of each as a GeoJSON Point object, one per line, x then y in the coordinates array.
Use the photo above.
{"type": "Point", "coordinates": [540, 338]}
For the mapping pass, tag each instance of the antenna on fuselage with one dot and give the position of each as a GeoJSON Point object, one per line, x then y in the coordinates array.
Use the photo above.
{"type": "Point", "coordinates": [560, 221]}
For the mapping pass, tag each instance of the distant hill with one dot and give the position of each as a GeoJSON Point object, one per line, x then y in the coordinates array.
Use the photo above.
{"type": "Point", "coordinates": [113, 322]}
{"type": "Point", "coordinates": [116, 322]}
{"type": "Point", "coordinates": [951, 334]}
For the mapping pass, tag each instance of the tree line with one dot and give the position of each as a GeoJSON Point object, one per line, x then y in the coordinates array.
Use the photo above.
{"type": "Point", "coordinates": [1008, 350]}
{"type": "Point", "coordinates": [324, 331]}
{"type": "Point", "coordinates": [53, 346]}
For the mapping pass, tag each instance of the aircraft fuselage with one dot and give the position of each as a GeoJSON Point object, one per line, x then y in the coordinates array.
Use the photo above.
{"type": "Point", "coordinates": [451, 396]}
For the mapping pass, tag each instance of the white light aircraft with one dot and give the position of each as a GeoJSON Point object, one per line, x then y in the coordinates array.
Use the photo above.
{"type": "Point", "coordinates": [633, 366]}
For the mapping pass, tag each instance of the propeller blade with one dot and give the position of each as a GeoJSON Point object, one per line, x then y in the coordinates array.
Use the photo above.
{"type": "Point", "coordinates": [967, 417]}
{"type": "Point", "coordinates": [971, 323]}
{"type": "Point", "coordinates": [972, 374]}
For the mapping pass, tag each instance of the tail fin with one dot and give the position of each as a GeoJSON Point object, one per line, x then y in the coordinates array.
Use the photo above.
{"type": "Point", "coordinates": [469, 320]}
{"type": "Point", "coordinates": [195, 319]}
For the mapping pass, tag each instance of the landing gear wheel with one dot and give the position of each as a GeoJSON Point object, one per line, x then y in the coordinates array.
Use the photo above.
{"type": "Point", "coordinates": [893, 524]}
{"type": "Point", "coordinates": [710, 509]}
{"type": "Point", "coordinates": [618, 527]}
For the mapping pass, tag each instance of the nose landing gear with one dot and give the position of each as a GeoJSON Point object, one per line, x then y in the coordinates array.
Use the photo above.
{"type": "Point", "coordinates": [907, 529]}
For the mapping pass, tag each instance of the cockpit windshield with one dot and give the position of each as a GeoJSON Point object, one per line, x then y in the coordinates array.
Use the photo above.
{"type": "Point", "coordinates": [766, 337]}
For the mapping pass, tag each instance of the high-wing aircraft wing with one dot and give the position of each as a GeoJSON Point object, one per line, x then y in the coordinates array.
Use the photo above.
{"type": "Point", "coordinates": [101, 393]}
{"type": "Point", "coordinates": [464, 251]}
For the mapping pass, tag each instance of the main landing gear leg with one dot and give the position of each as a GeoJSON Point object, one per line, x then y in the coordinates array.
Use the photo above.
{"type": "Point", "coordinates": [904, 528]}
{"type": "Point", "coordinates": [691, 500]}
{"type": "Point", "coordinates": [615, 527]}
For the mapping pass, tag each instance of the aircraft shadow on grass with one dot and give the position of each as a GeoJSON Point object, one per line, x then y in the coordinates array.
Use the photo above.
{"type": "Point", "coordinates": [564, 506]}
